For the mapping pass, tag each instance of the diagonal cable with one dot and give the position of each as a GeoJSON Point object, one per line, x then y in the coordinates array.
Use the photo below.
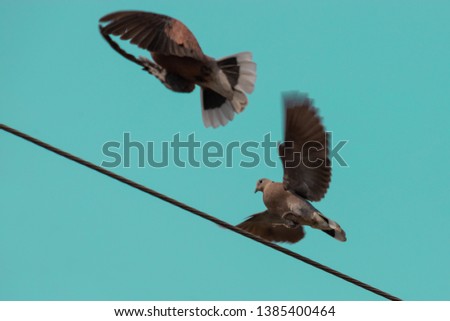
{"type": "Point", "coordinates": [198, 213]}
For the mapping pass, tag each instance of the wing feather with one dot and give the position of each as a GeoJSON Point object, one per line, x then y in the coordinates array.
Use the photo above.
{"type": "Point", "coordinates": [272, 228]}
{"type": "Point", "coordinates": [304, 153]}
{"type": "Point", "coordinates": [153, 32]}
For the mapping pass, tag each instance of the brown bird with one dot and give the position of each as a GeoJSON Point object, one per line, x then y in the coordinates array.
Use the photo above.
{"type": "Point", "coordinates": [181, 63]}
{"type": "Point", "coordinates": [307, 174]}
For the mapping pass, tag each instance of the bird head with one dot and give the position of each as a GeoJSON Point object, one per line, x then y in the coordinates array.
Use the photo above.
{"type": "Point", "coordinates": [260, 184]}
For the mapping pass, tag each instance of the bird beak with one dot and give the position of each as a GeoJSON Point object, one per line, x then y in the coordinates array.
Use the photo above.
{"type": "Point", "coordinates": [256, 189]}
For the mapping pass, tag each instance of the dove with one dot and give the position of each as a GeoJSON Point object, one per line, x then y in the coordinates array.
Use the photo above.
{"type": "Point", "coordinates": [180, 64]}
{"type": "Point", "coordinates": [307, 175]}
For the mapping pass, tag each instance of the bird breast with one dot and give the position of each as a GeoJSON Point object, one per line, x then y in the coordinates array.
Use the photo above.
{"type": "Point", "coordinates": [275, 198]}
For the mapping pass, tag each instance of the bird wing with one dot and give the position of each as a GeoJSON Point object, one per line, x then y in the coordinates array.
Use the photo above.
{"type": "Point", "coordinates": [273, 228]}
{"type": "Point", "coordinates": [153, 32]}
{"type": "Point", "coordinates": [304, 153]}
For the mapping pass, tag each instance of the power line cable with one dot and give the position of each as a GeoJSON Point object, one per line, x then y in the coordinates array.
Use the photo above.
{"type": "Point", "coordinates": [198, 213]}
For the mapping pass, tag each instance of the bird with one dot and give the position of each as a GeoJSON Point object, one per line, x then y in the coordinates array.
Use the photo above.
{"type": "Point", "coordinates": [306, 178]}
{"type": "Point", "coordinates": [180, 64]}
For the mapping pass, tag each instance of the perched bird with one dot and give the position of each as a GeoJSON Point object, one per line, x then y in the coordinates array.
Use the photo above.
{"type": "Point", "coordinates": [307, 175]}
{"type": "Point", "coordinates": [180, 63]}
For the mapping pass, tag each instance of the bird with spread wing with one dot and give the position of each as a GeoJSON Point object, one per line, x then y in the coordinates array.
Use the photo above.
{"type": "Point", "coordinates": [180, 64]}
{"type": "Point", "coordinates": [307, 175]}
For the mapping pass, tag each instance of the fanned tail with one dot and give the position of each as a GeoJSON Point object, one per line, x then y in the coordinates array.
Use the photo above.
{"type": "Point", "coordinates": [240, 71]}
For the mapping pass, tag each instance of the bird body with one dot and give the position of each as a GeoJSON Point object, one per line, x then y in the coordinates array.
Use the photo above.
{"type": "Point", "coordinates": [180, 63]}
{"type": "Point", "coordinates": [294, 209]}
{"type": "Point", "coordinates": [306, 178]}
{"type": "Point", "coordinates": [282, 202]}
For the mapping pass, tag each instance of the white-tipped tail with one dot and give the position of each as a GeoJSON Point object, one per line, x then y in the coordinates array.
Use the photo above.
{"type": "Point", "coordinates": [246, 73]}
{"type": "Point", "coordinates": [216, 109]}
{"type": "Point", "coordinates": [239, 73]}
{"type": "Point", "coordinates": [329, 227]}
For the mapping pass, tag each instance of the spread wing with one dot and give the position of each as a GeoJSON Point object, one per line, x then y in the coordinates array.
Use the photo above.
{"type": "Point", "coordinates": [304, 153]}
{"type": "Point", "coordinates": [273, 228]}
{"type": "Point", "coordinates": [153, 32]}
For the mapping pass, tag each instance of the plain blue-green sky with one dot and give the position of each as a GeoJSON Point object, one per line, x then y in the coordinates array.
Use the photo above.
{"type": "Point", "coordinates": [378, 70]}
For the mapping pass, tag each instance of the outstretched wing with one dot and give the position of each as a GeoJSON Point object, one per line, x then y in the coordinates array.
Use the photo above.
{"type": "Point", "coordinates": [304, 153]}
{"type": "Point", "coordinates": [171, 81]}
{"type": "Point", "coordinates": [153, 32]}
{"type": "Point", "coordinates": [273, 228]}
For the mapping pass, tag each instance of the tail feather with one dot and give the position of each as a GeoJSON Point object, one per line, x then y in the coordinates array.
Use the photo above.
{"type": "Point", "coordinates": [239, 101]}
{"type": "Point", "coordinates": [240, 71]}
{"type": "Point", "coordinates": [330, 227]}
{"type": "Point", "coordinates": [216, 109]}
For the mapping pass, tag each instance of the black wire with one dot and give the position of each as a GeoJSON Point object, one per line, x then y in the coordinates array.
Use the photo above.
{"type": "Point", "coordinates": [197, 212]}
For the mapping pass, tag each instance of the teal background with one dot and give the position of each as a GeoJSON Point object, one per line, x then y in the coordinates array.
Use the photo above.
{"type": "Point", "coordinates": [378, 70]}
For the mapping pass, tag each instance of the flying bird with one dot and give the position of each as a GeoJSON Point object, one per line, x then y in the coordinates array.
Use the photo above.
{"type": "Point", "coordinates": [180, 64]}
{"type": "Point", "coordinates": [307, 175]}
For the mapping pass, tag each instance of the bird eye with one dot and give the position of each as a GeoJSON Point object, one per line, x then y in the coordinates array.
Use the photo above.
{"type": "Point", "coordinates": [260, 181]}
